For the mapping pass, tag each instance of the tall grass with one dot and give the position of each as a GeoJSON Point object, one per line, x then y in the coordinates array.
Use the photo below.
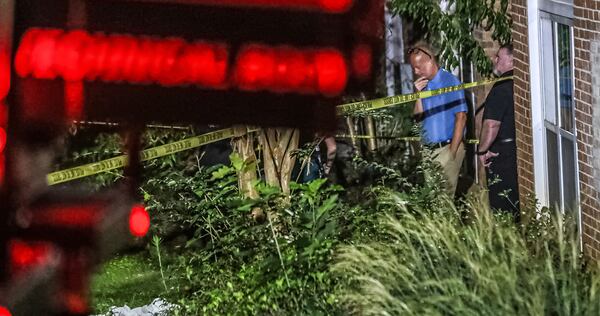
{"type": "Point", "coordinates": [434, 262]}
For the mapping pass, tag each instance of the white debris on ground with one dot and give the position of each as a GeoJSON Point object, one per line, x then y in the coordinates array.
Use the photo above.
{"type": "Point", "coordinates": [158, 307]}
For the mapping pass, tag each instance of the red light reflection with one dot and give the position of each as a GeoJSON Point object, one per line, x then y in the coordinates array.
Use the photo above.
{"type": "Point", "coordinates": [68, 216]}
{"type": "Point", "coordinates": [3, 114]}
{"type": "Point", "coordinates": [2, 169]}
{"type": "Point", "coordinates": [74, 99]}
{"type": "Point", "coordinates": [332, 72]}
{"type": "Point", "coordinates": [76, 302]}
{"type": "Point", "coordinates": [328, 6]}
{"type": "Point", "coordinates": [362, 57]}
{"type": "Point", "coordinates": [24, 254]}
{"type": "Point", "coordinates": [283, 69]}
{"type": "Point", "coordinates": [139, 221]}
{"type": "Point", "coordinates": [77, 55]}
{"type": "Point", "coordinates": [335, 5]}
{"type": "Point", "coordinates": [2, 140]}
{"type": "Point", "coordinates": [4, 311]}
{"type": "Point", "coordinates": [4, 73]}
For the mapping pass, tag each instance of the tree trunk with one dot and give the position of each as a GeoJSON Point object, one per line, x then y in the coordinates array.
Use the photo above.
{"type": "Point", "coordinates": [278, 145]}
{"type": "Point", "coordinates": [244, 146]}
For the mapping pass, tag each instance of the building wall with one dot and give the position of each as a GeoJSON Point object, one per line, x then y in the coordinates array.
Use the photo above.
{"type": "Point", "coordinates": [490, 47]}
{"type": "Point", "coordinates": [518, 11]}
{"type": "Point", "coordinates": [586, 29]}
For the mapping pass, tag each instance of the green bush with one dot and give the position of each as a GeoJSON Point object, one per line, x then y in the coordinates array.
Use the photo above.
{"type": "Point", "coordinates": [234, 265]}
{"type": "Point", "coordinates": [397, 246]}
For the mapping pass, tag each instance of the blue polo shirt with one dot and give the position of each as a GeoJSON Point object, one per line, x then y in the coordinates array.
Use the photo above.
{"type": "Point", "coordinates": [439, 111]}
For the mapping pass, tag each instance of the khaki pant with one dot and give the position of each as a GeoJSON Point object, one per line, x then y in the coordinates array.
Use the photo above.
{"type": "Point", "coordinates": [451, 166]}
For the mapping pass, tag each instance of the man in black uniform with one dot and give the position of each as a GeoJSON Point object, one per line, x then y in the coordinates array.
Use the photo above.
{"type": "Point", "coordinates": [497, 147]}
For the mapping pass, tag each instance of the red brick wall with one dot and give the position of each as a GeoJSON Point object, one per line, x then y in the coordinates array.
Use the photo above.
{"type": "Point", "coordinates": [490, 47]}
{"type": "Point", "coordinates": [518, 11]}
{"type": "Point", "coordinates": [586, 28]}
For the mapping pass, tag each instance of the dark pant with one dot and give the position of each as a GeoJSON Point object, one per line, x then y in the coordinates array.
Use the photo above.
{"type": "Point", "coordinates": [502, 179]}
{"type": "Point", "coordinates": [310, 170]}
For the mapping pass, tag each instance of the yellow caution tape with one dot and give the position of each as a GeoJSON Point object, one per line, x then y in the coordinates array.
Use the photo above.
{"type": "Point", "coordinates": [403, 138]}
{"type": "Point", "coordinates": [406, 138]}
{"type": "Point", "coordinates": [148, 154]}
{"type": "Point", "coordinates": [197, 141]}
{"type": "Point", "coordinates": [345, 109]}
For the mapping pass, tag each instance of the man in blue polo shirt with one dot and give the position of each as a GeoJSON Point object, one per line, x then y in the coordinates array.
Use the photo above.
{"type": "Point", "coordinates": [444, 116]}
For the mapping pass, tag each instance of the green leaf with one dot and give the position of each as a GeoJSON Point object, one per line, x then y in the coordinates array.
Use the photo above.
{"type": "Point", "coordinates": [267, 190]}
{"type": "Point", "coordinates": [246, 207]}
{"type": "Point", "coordinates": [147, 196]}
{"type": "Point", "coordinates": [315, 185]}
{"type": "Point", "coordinates": [327, 206]}
{"type": "Point", "coordinates": [191, 242]}
{"type": "Point", "coordinates": [279, 282]}
{"type": "Point", "coordinates": [221, 173]}
{"type": "Point", "coordinates": [328, 230]}
{"type": "Point", "coordinates": [236, 161]}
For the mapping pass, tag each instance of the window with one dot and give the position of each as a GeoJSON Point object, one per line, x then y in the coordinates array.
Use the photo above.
{"type": "Point", "coordinates": [556, 37]}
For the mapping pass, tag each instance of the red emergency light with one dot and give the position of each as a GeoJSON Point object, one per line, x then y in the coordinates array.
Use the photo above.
{"type": "Point", "coordinates": [285, 69]}
{"type": "Point", "coordinates": [4, 311]}
{"type": "Point", "coordinates": [2, 139]}
{"type": "Point", "coordinates": [362, 56]}
{"type": "Point", "coordinates": [88, 216]}
{"type": "Point", "coordinates": [139, 221]}
{"type": "Point", "coordinates": [3, 114]}
{"type": "Point", "coordinates": [69, 216]}
{"type": "Point", "coordinates": [4, 74]}
{"type": "Point", "coordinates": [27, 254]}
{"type": "Point", "coordinates": [2, 169]}
{"type": "Point", "coordinates": [77, 55]}
{"type": "Point", "coordinates": [328, 6]}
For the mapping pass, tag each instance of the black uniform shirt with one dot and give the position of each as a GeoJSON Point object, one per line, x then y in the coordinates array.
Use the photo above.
{"type": "Point", "coordinates": [500, 106]}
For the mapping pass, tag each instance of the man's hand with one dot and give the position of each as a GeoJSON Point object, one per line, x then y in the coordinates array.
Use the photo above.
{"type": "Point", "coordinates": [485, 159]}
{"type": "Point", "coordinates": [460, 120]}
{"type": "Point", "coordinates": [326, 169]}
{"type": "Point", "coordinates": [453, 151]}
{"type": "Point", "coordinates": [421, 83]}
{"type": "Point", "coordinates": [488, 135]}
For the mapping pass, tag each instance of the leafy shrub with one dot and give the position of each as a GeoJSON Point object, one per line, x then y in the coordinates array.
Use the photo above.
{"type": "Point", "coordinates": [234, 265]}
{"type": "Point", "coordinates": [426, 256]}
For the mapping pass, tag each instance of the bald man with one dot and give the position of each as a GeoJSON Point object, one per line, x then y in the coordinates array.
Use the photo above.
{"type": "Point", "coordinates": [497, 147]}
{"type": "Point", "coordinates": [444, 116]}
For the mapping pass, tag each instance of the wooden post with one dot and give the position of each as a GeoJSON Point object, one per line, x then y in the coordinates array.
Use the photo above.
{"type": "Point", "coordinates": [370, 127]}
{"type": "Point", "coordinates": [352, 133]}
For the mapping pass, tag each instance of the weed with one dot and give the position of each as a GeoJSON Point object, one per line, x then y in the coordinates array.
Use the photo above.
{"type": "Point", "coordinates": [156, 243]}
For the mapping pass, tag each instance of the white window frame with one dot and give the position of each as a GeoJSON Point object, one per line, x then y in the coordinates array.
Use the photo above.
{"type": "Point", "coordinates": [537, 113]}
{"type": "Point", "coordinates": [561, 12]}
{"type": "Point", "coordinates": [556, 128]}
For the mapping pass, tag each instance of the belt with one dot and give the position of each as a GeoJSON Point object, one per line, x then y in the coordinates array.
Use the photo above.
{"type": "Point", "coordinates": [505, 140]}
{"type": "Point", "coordinates": [440, 144]}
